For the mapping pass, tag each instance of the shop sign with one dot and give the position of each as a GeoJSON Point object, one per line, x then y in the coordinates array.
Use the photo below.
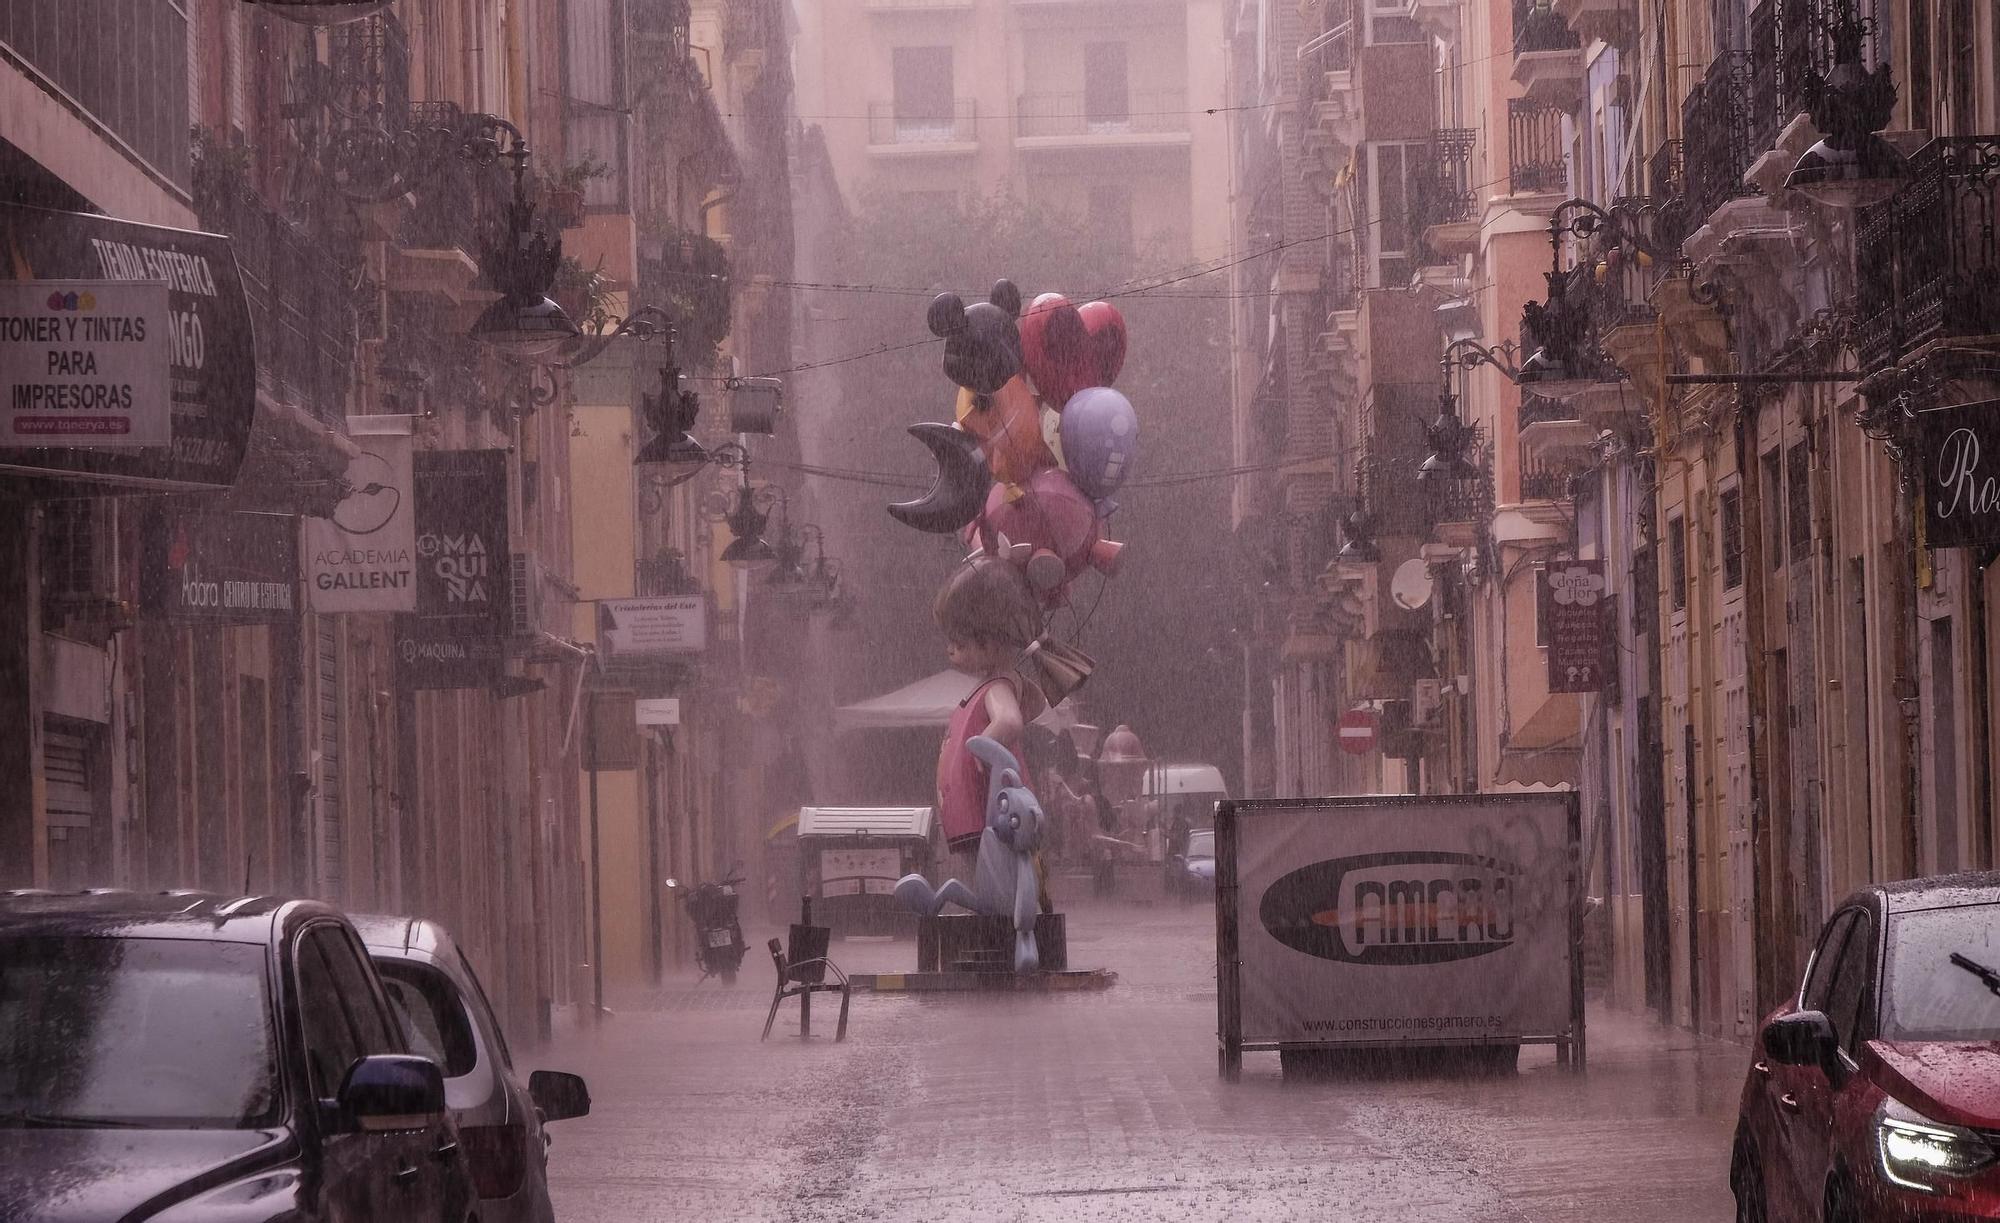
{"type": "Point", "coordinates": [83, 363]}
{"type": "Point", "coordinates": [431, 654]}
{"type": "Point", "coordinates": [1572, 597]}
{"type": "Point", "coordinates": [638, 629]}
{"type": "Point", "coordinates": [457, 636]}
{"type": "Point", "coordinates": [364, 558]}
{"type": "Point", "coordinates": [188, 428]}
{"type": "Point", "coordinates": [1960, 449]}
{"type": "Point", "coordinates": [220, 568]}
{"type": "Point", "coordinates": [657, 711]}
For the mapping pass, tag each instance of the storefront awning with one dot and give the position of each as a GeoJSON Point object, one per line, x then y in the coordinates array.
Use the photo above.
{"type": "Point", "coordinates": [1547, 749]}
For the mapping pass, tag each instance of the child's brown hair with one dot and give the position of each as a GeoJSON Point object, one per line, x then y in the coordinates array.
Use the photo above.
{"type": "Point", "coordinates": [988, 601]}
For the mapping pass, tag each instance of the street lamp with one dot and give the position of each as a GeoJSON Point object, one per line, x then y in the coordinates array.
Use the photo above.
{"type": "Point", "coordinates": [749, 550]}
{"type": "Point", "coordinates": [1358, 547]}
{"type": "Point", "coordinates": [526, 321]}
{"type": "Point", "coordinates": [1851, 166]}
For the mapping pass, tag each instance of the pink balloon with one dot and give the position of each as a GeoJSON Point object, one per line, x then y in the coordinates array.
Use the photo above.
{"type": "Point", "coordinates": [1052, 525]}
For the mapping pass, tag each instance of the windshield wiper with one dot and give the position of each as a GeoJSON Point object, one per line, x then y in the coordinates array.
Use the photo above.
{"type": "Point", "coordinates": [52, 1121]}
{"type": "Point", "coordinates": [1987, 977]}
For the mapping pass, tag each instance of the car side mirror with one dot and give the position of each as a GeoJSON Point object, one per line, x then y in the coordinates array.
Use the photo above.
{"type": "Point", "coordinates": [560, 1096]}
{"type": "Point", "coordinates": [1803, 1038]}
{"type": "Point", "coordinates": [392, 1091]}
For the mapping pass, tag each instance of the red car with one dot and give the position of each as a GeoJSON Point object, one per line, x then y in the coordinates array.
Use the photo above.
{"type": "Point", "coordinates": [1875, 1093]}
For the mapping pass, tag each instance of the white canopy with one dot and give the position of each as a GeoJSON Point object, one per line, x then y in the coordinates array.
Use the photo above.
{"type": "Point", "coordinates": [929, 701]}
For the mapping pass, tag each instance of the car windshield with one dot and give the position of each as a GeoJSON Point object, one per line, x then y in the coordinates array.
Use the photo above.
{"type": "Point", "coordinates": [1932, 995]}
{"type": "Point", "coordinates": [134, 1032]}
{"type": "Point", "coordinates": [1201, 843]}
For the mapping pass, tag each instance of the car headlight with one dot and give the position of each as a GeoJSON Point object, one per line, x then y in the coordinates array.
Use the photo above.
{"type": "Point", "coordinates": [1916, 1152]}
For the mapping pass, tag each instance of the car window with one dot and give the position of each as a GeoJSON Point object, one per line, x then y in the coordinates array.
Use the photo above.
{"type": "Point", "coordinates": [331, 1045]}
{"type": "Point", "coordinates": [492, 1021]}
{"type": "Point", "coordinates": [350, 976]}
{"type": "Point", "coordinates": [1819, 976]}
{"type": "Point", "coordinates": [434, 1018]}
{"type": "Point", "coordinates": [1853, 982]}
{"type": "Point", "coordinates": [1942, 974]}
{"type": "Point", "coordinates": [168, 1033]}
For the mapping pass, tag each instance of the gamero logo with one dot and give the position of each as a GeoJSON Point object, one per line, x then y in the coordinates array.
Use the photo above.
{"type": "Point", "coordinates": [1394, 909]}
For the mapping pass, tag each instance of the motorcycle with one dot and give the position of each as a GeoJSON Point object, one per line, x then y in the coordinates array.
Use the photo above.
{"type": "Point", "coordinates": [718, 937]}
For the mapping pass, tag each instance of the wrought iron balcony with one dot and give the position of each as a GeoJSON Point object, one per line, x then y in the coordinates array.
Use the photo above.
{"type": "Point", "coordinates": [461, 203]}
{"type": "Point", "coordinates": [1540, 410]}
{"type": "Point", "coordinates": [1441, 187]}
{"type": "Point", "coordinates": [1927, 258]}
{"type": "Point", "coordinates": [1718, 134]}
{"type": "Point", "coordinates": [1666, 176]}
{"type": "Point", "coordinates": [298, 293]}
{"type": "Point", "coordinates": [1535, 160]}
{"type": "Point", "coordinates": [890, 125]}
{"type": "Point", "coordinates": [1551, 481]}
{"type": "Point", "coordinates": [1538, 27]}
{"type": "Point", "coordinates": [1145, 112]}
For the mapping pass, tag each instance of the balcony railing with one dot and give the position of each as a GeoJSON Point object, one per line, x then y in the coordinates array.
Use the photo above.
{"type": "Point", "coordinates": [888, 125]}
{"type": "Point", "coordinates": [1147, 111]}
{"type": "Point", "coordinates": [1765, 120]}
{"type": "Point", "coordinates": [1535, 160]}
{"type": "Point", "coordinates": [1717, 135]}
{"type": "Point", "coordinates": [368, 73]}
{"type": "Point", "coordinates": [1551, 482]}
{"type": "Point", "coordinates": [1441, 184]}
{"type": "Point", "coordinates": [459, 203]}
{"type": "Point", "coordinates": [1541, 410]}
{"type": "Point", "coordinates": [1804, 50]}
{"type": "Point", "coordinates": [1927, 259]}
{"type": "Point", "coordinates": [298, 295]}
{"type": "Point", "coordinates": [1538, 27]}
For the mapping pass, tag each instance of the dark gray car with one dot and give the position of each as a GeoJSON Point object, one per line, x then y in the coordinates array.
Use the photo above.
{"type": "Point", "coordinates": [500, 1119]}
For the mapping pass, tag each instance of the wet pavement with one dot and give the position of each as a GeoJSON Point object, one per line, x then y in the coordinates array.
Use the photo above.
{"type": "Point", "coordinates": [1107, 1106]}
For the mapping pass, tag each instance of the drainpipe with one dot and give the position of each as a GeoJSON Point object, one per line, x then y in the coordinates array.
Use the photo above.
{"type": "Point", "coordinates": [1982, 713]}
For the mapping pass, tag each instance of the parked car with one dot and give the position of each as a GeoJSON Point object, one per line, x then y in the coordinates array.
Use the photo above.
{"type": "Point", "coordinates": [1191, 870]}
{"type": "Point", "coordinates": [178, 1057]}
{"type": "Point", "coordinates": [500, 1120]}
{"type": "Point", "coordinates": [1874, 1092]}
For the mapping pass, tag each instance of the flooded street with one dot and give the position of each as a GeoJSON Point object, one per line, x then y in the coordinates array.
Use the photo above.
{"type": "Point", "coordinates": [1106, 1105]}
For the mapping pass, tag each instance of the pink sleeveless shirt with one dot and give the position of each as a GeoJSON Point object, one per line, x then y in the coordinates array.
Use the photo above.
{"type": "Point", "coordinates": [961, 776]}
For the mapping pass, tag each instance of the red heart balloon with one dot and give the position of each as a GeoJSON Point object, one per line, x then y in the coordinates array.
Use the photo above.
{"type": "Point", "coordinates": [1057, 350]}
{"type": "Point", "coordinates": [1106, 329]}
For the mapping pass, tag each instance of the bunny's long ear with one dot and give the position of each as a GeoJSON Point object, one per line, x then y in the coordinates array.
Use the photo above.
{"type": "Point", "coordinates": [994, 755]}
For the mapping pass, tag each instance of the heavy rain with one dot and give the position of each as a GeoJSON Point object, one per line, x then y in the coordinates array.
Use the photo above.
{"type": "Point", "coordinates": [999, 610]}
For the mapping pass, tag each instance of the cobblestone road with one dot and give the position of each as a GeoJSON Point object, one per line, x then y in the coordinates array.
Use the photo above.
{"type": "Point", "coordinates": [1107, 1106]}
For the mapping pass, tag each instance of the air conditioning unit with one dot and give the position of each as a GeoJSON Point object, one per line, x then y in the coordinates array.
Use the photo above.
{"type": "Point", "coordinates": [524, 594]}
{"type": "Point", "coordinates": [1426, 703]}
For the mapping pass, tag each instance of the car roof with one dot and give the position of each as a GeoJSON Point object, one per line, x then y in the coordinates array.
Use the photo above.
{"type": "Point", "coordinates": [1191, 778]}
{"type": "Point", "coordinates": [177, 913]}
{"type": "Point", "coordinates": [417, 936]}
{"type": "Point", "coordinates": [1933, 892]}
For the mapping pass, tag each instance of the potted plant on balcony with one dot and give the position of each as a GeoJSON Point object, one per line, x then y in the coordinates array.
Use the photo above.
{"type": "Point", "coordinates": [580, 291]}
{"type": "Point", "coordinates": [563, 191]}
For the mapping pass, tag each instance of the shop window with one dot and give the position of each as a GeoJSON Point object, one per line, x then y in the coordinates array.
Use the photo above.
{"type": "Point", "coordinates": [1732, 538]}
{"type": "Point", "coordinates": [1677, 563]}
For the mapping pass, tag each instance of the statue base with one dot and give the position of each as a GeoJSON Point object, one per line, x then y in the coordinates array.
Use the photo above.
{"type": "Point", "coordinates": [967, 942]}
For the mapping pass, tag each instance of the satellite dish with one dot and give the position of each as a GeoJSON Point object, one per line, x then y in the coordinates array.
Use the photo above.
{"type": "Point", "coordinates": [1411, 588]}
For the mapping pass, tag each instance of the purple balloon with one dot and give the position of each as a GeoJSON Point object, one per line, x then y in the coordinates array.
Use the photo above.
{"type": "Point", "coordinates": [1100, 440]}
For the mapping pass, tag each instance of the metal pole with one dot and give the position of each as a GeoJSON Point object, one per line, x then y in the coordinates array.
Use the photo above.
{"type": "Point", "coordinates": [596, 869]}
{"type": "Point", "coordinates": [653, 858]}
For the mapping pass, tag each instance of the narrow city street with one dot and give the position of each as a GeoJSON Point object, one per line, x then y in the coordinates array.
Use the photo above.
{"type": "Point", "coordinates": [1107, 1106]}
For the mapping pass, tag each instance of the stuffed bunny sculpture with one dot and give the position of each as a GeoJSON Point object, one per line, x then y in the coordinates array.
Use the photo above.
{"type": "Point", "coordinates": [1004, 882]}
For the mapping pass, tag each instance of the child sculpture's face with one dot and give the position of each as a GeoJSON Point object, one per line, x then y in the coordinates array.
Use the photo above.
{"type": "Point", "coordinates": [979, 658]}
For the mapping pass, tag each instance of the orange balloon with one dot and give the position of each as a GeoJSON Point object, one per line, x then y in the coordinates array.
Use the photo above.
{"type": "Point", "coordinates": [1008, 425]}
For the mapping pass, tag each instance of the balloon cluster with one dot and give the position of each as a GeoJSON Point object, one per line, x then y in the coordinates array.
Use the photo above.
{"type": "Point", "coordinates": [1040, 440]}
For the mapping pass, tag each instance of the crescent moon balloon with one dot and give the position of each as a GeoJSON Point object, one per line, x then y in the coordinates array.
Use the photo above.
{"type": "Point", "coordinates": [958, 494]}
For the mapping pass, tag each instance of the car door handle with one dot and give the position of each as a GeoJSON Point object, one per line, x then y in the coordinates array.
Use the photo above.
{"type": "Point", "coordinates": [407, 1174]}
{"type": "Point", "coordinates": [448, 1149]}
{"type": "Point", "coordinates": [1789, 1102]}
{"type": "Point", "coordinates": [1761, 1067]}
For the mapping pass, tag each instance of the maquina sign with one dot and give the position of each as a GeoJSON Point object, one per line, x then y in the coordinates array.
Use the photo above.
{"type": "Point", "coordinates": [1960, 449]}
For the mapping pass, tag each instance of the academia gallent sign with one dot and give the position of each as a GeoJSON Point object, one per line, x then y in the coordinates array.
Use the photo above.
{"type": "Point", "coordinates": [364, 557]}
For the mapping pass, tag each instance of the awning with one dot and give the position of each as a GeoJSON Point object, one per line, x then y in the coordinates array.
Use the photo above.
{"type": "Point", "coordinates": [1547, 749]}
{"type": "Point", "coordinates": [928, 702]}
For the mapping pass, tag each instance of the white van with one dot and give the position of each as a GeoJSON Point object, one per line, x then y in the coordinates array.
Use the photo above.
{"type": "Point", "coordinates": [1187, 790]}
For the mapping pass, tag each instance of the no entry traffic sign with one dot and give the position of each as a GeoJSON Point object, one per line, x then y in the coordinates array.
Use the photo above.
{"type": "Point", "coordinates": [1357, 731]}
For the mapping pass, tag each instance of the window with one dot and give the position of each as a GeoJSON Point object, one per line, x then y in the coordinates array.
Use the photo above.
{"type": "Point", "coordinates": [1798, 499]}
{"type": "Point", "coordinates": [1732, 538]}
{"type": "Point", "coordinates": [432, 1016]}
{"type": "Point", "coordinates": [1390, 166]}
{"type": "Point", "coordinates": [595, 114]}
{"type": "Point", "coordinates": [1772, 494]}
{"type": "Point", "coordinates": [1107, 97]}
{"type": "Point", "coordinates": [1853, 982]}
{"type": "Point", "coordinates": [923, 106]}
{"type": "Point", "coordinates": [1819, 977]}
{"type": "Point", "coordinates": [1645, 592]}
{"type": "Point", "coordinates": [1928, 996]}
{"type": "Point", "coordinates": [330, 1042]}
{"type": "Point", "coordinates": [1389, 21]}
{"type": "Point", "coordinates": [1677, 563]}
